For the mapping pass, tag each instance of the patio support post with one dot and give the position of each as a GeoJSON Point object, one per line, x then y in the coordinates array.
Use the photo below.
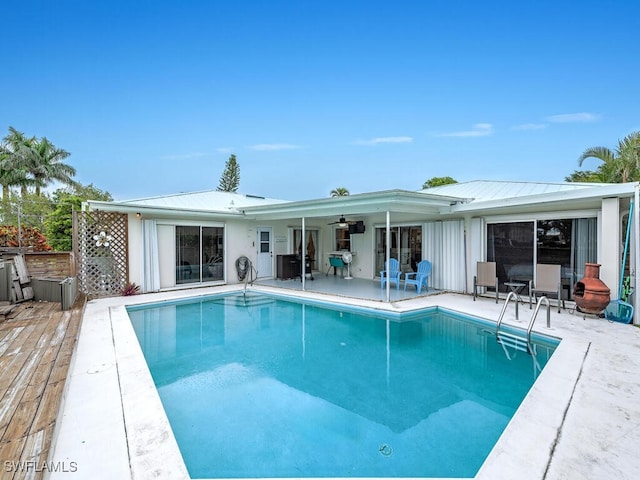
{"type": "Point", "coordinates": [388, 255]}
{"type": "Point", "coordinates": [303, 256]}
{"type": "Point", "coordinates": [636, 251]}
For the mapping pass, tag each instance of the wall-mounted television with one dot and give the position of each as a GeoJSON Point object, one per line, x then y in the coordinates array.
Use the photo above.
{"type": "Point", "coordinates": [357, 227]}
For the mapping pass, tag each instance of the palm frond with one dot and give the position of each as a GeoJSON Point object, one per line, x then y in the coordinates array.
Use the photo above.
{"type": "Point", "coordinates": [601, 153]}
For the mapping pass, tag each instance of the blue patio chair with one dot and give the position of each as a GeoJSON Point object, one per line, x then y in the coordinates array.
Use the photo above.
{"type": "Point", "coordinates": [391, 274]}
{"type": "Point", "coordinates": [419, 277]}
{"type": "Point", "coordinates": [335, 263]}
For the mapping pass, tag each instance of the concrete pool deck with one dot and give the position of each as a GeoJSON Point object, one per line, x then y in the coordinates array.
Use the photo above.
{"type": "Point", "coordinates": [581, 419]}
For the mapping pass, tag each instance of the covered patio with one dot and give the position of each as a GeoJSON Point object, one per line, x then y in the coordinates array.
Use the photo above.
{"type": "Point", "coordinates": [378, 210]}
{"type": "Point", "coordinates": [359, 288]}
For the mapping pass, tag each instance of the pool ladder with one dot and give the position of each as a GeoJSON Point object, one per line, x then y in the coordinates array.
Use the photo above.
{"type": "Point", "coordinates": [514, 340]}
{"type": "Point", "coordinates": [247, 280]}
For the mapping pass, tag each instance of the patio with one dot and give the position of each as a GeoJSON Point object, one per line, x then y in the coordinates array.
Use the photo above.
{"type": "Point", "coordinates": [37, 341]}
{"type": "Point", "coordinates": [358, 288]}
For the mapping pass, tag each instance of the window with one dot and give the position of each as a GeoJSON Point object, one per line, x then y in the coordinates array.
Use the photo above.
{"type": "Point", "coordinates": [265, 242]}
{"type": "Point", "coordinates": [199, 254]}
{"type": "Point", "coordinates": [343, 239]}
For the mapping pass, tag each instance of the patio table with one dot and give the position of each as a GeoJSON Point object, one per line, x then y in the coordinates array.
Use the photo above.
{"type": "Point", "coordinates": [515, 287]}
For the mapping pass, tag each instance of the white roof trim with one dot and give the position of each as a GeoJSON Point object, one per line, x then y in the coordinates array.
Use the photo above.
{"type": "Point", "coordinates": [154, 210]}
{"type": "Point", "coordinates": [391, 200]}
{"type": "Point", "coordinates": [587, 193]}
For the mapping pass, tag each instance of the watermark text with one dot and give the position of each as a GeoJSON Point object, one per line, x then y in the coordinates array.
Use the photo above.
{"type": "Point", "coordinates": [34, 466]}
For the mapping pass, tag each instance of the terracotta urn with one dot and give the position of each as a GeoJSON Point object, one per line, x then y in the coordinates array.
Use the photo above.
{"type": "Point", "coordinates": [591, 294]}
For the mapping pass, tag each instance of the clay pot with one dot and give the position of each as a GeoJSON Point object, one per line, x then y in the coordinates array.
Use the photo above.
{"type": "Point", "coordinates": [591, 294]}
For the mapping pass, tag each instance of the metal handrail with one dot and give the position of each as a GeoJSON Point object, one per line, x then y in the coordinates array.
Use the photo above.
{"type": "Point", "coordinates": [535, 314]}
{"type": "Point", "coordinates": [531, 322]}
{"type": "Point", "coordinates": [246, 280]}
{"type": "Point", "coordinates": [504, 309]}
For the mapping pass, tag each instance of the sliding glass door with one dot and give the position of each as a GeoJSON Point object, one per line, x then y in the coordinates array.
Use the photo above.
{"type": "Point", "coordinates": [406, 247]}
{"type": "Point", "coordinates": [510, 245]}
{"type": "Point", "coordinates": [312, 248]}
{"type": "Point", "coordinates": [517, 247]}
{"type": "Point", "coordinates": [199, 254]}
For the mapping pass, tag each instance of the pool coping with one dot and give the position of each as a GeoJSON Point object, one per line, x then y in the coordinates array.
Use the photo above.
{"type": "Point", "coordinates": [112, 400]}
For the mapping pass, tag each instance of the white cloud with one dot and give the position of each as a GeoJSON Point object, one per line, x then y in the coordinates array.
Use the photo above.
{"type": "Point", "coordinates": [477, 130]}
{"type": "Point", "coordinates": [273, 146]}
{"type": "Point", "coordinates": [582, 117]}
{"type": "Point", "coordinates": [530, 126]}
{"type": "Point", "coordinates": [379, 140]}
{"type": "Point", "coordinates": [184, 156]}
{"type": "Point", "coordinates": [225, 150]}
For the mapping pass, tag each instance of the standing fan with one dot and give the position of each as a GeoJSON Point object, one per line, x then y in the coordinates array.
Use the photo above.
{"type": "Point", "coordinates": [347, 258]}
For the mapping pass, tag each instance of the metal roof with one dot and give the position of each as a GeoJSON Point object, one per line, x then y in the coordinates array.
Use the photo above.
{"type": "Point", "coordinates": [210, 201]}
{"type": "Point", "coordinates": [485, 190]}
{"type": "Point", "coordinates": [481, 196]}
{"type": "Point", "coordinates": [496, 196]}
{"type": "Point", "coordinates": [364, 203]}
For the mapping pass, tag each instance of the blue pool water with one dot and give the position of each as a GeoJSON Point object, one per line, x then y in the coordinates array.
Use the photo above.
{"type": "Point", "coordinates": [267, 387]}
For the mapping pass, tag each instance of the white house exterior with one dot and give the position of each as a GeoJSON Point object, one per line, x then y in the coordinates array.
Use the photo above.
{"type": "Point", "coordinates": [194, 239]}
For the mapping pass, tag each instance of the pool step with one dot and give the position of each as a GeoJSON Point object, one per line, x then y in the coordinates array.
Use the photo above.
{"type": "Point", "coordinates": [252, 300]}
{"type": "Point", "coordinates": [511, 340]}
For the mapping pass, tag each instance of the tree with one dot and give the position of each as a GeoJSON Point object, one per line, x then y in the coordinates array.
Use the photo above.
{"type": "Point", "coordinates": [438, 181]}
{"type": "Point", "coordinates": [230, 178]}
{"type": "Point", "coordinates": [618, 166]}
{"type": "Point", "coordinates": [15, 155]}
{"type": "Point", "coordinates": [339, 192]}
{"type": "Point", "coordinates": [27, 161]}
{"type": "Point", "coordinates": [9, 177]}
{"type": "Point", "coordinates": [588, 176]}
{"type": "Point", "coordinates": [26, 210]}
{"type": "Point", "coordinates": [46, 165]}
{"type": "Point", "coordinates": [59, 223]}
{"type": "Point", "coordinates": [26, 237]}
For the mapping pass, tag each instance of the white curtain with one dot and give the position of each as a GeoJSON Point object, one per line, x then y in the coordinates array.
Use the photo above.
{"type": "Point", "coordinates": [584, 245]}
{"type": "Point", "coordinates": [444, 248]}
{"type": "Point", "coordinates": [150, 259]}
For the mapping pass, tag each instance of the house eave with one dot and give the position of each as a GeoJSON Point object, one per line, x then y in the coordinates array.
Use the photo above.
{"type": "Point", "coordinates": [148, 211]}
{"type": "Point", "coordinates": [399, 201]}
{"type": "Point", "coordinates": [572, 198]}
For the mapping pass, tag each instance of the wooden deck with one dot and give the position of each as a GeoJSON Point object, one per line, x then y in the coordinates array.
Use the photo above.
{"type": "Point", "coordinates": [37, 340]}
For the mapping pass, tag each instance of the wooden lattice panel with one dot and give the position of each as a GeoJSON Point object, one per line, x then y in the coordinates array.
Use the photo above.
{"type": "Point", "coordinates": [101, 243]}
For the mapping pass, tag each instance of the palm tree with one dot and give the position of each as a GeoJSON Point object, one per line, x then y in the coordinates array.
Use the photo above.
{"type": "Point", "coordinates": [46, 165]}
{"type": "Point", "coordinates": [15, 155]}
{"type": "Point", "coordinates": [339, 192]}
{"type": "Point", "coordinates": [27, 161]}
{"type": "Point", "coordinates": [619, 166]}
{"type": "Point", "coordinates": [5, 173]}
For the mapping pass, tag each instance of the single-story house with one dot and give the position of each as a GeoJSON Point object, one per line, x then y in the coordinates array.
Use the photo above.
{"type": "Point", "coordinates": [192, 239]}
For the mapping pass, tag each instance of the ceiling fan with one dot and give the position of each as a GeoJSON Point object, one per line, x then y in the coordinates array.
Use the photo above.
{"type": "Point", "coordinates": [342, 222]}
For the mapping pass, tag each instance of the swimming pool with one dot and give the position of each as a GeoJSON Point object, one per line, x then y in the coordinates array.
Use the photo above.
{"type": "Point", "coordinates": [269, 387]}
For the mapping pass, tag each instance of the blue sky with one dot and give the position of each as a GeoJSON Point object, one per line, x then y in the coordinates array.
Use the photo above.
{"type": "Point", "coordinates": [151, 97]}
